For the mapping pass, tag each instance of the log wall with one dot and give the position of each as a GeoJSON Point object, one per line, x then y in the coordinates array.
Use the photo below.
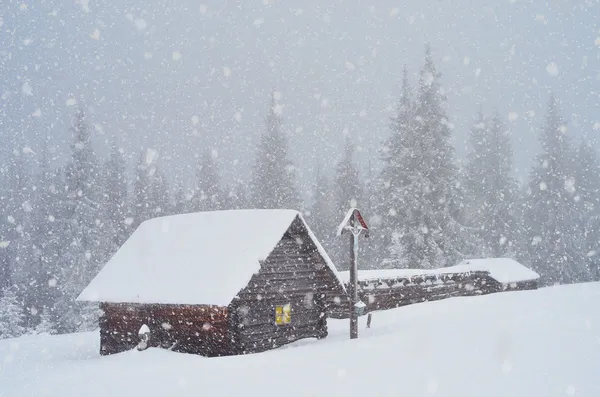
{"type": "Point", "coordinates": [183, 328]}
{"type": "Point", "coordinates": [295, 274]}
{"type": "Point", "coordinates": [390, 293]}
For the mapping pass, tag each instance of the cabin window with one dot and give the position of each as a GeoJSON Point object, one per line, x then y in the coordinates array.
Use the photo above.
{"type": "Point", "coordinates": [283, 314]}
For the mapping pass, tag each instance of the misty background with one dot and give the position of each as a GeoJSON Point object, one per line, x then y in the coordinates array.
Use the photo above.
{"type": "Point", "coordinates": [115, 112]}
{"type": "Point", "coordinates": [178, 76]}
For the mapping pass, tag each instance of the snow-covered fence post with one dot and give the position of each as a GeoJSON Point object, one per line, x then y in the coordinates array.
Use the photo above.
{"type": "Point", "coordinates": [355, 224]}
{"type": "Point", "coordinates": [144, 335]}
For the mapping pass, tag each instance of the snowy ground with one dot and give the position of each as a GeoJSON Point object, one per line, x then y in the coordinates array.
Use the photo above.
{"type": "Point", "coordinates": [533, 343]}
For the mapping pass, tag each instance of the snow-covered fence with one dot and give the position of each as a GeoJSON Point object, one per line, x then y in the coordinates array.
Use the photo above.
{"type": "Point", "coordinates": [384, 289]}
{"type": "Point", "coordinates": [381, 291]}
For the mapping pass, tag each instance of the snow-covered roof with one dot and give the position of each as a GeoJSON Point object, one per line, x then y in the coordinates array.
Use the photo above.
{"type": "Point", "coordinates": [503, 270]}
{"type": "Point", "coordinates": [342, 226]}
{"type": "Point", "coordinates": [198, 258]}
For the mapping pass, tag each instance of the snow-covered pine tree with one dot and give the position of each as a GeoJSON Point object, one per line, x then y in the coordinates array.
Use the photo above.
{"type": "Point", "coordinates": [588, 201]}
{"type": "Point", "coordinates": [11, 314]}
{"type": "Point", "coordinates": [83, 253]}
{"type": "Point", "coordinates": [348, 189]}
{"type": "Point", "coordinates": [273, 182]}
{"type": "Point", "coordinates": [18, 208]}
{"type": "Point", "coordinates": [236, 195]}
{"type": "Point", "coordinates": [322, 218]}
{"type": "Point", "coordinates": [45, 326]}
{"type": "Point", "coordinates": [5, 230]}
{"type": "Point", "coordinates": [347, 194]}
{"type": "Point", "coordinates": [208, 194]}
{"type": "Point", "coordinates": [398, 157]}
{"type": "Point", "coordinates": [116, 198]}
{"type": "Point", "coordinates": [555, 244]}
{"type": "Point", "coordinates": [140, 206]}
{"type": "Point", "coordinates": [159, 198]}
{"type": "Point", "coordinates": [46, 237]}
{"type": "Point", "coordinates": [421, 179]}
{"type": "Point", "coordinates": [151, 196]}
{"type": "Point", "coordinates": [490, 189]}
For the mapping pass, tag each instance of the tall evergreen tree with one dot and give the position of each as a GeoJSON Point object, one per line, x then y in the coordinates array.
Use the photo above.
{"type": "Point", "coordinates": [273, 178]}
{"type": "Point", "coordinates": [555, 242]}
{"type": "Point", "coordinates": [151, 196]}
{"type": "Point", "coordinates": [83, 253]}
{"type": "Point", "coordinates": [208, 194]}
{"type": "Point", "coordinates": [140, 207]}
{"type": "Point", "coordinates": [11, 314]}
{"type": "Point", "coordinates": [347, 194]}
{"type": "Point", "coordinates": [159, 198]}
{"type": "Point", "coordinates": [116, 198]}
{"type": "Point", "coordinates": [46, 237]}
{"type": "Point", "coordinates": [323, 213]}
{"type": "Point", "coordinates": [490, 190]}
{"type": "Point", "coordinates": [348, 189]}
{"type": "Point", "coordinates": [588, 202]}
{"type": "Point", "coordinates": [17, 209]}
{"type": "Point", "coordinates": [422, 183]}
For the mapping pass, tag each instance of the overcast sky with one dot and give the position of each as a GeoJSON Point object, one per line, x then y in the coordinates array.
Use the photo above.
{"type": "Point", "coordinates": [181, 76]}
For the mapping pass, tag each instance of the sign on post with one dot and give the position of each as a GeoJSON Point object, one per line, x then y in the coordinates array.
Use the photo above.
{"type": "Point", "coordinates": [355, 225]}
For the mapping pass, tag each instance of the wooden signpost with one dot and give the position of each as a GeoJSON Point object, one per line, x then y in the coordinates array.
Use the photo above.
{"type": "Point", "coordinates": [355, 224]}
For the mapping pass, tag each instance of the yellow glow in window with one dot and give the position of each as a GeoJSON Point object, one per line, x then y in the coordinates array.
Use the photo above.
{"type": "Point", "coordinates": [283, 314]}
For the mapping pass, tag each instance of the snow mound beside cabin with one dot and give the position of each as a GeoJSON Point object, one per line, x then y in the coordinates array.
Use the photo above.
{"type": "Point", "coordinates": [531, 343]}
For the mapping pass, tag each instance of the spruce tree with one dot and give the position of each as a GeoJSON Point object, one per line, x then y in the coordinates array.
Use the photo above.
{"type": "Point", "coordinates": [347, 194]}
{"type": "Point", "coordinates": [490, 190]}
{"type": "Point", "coordinates": [348, 189]}
{"type": "Point", "coordinates": [116, 198]}
{"type": "Point", "coordinates": [208, 194]}
{"type": "Point", "coordinates": [11, 314]}
{"type": "Point", "coordinates": [322, 217]}
{"type": "Point", "coordinates": [140, 207]}
{"type": "Point", "coordinates": [424, 196]}
{"type": "Point", "coordinates": [588, 203]}
{"type": "Point", "coordinates": [46, 236]}
{"type": "Point", "coordinates": [158, 192]}
{"type": "Point", "coordinates": [83, 252]}
{"type": "Point", "coordinates": [554, 246]}
{"type": "Point", "coordinates": [151, 196]}
{"type": "Point", "coordinates": [273, 178]}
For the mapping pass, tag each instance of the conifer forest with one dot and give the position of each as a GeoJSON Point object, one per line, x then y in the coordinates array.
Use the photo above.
{"type": "Point", "coordinates": [439, 174]}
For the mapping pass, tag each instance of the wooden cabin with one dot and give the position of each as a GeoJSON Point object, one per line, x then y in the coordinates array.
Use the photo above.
{"type": "Point", "coordinates": [217, 283]}
{"type": "Point", "coordinates": [384, 289]}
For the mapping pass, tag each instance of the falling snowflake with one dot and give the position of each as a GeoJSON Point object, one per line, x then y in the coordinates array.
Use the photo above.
{"type": "Point", "coordinates": [140, 24]}
{"type": "Point", "coordinates": [226, 71]}
{"type": "Point", "coordinates": [176, 55]}
{"type": "Point", "coordinates": [26, 88]}
{"type": "Point", "coordinates": [71, 102]}
{"type": "Point", "coordinates": [95, 34]}
{"type": "Point", "coordinates": [552, 69]}
{"type": "Point", "coordinates": [151, 156]}
{"type": "Point", "coordinates": [513, 116]}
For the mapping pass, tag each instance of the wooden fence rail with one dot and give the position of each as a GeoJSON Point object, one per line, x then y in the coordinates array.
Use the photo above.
{"type": "Point", "coordinates": [392, 292]}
